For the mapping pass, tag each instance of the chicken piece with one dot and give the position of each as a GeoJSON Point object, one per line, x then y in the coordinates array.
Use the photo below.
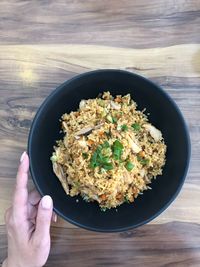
{"type": "Point", "coordinates": [115, 105]}
{"type": "Point", "coordinates": [82, 104]}
{"type": "Point", "coordinates": [82, 143]}
{"type": "Point", "coordinates": [65, 128]}
{"type": "Point", "coordinates": [155, 133]}
{"type": "Point", "coordinates": [87, 130]}
{"type": "Point", "coordinates": [142, 173]}
{"type": "Point", "coordinates": [135, 148]}
{"type": "Point", "coordinates": [127, 177]}
{"type": "Point", "coordinates": [98, 126]}
{"type": "Point", "coordinates": [58, 170]}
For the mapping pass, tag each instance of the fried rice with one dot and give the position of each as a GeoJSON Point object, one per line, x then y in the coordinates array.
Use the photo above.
{"type": "Point", "coordinates": [110, 152]}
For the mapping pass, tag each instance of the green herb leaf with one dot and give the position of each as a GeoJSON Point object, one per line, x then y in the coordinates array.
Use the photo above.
{"type": "Point", "coordinates": [117, 149]}
{"type": "Point", "coordinates": [114, 120]}
{"type": "Point", "coordinates": [136, 126]}
{"type": "Point", "coordinates": [103, 160]}
{"type": "Point", "coordinates": [117, 154]}
{"type": "Point", "coordinates": [111, 119]}
{"type": "Point", "coordinates": [118, 144]}
{"type": "Point", "coordinates": [124, 127]}
{"type": "Point", "coordinates": [101, 157]}
{"type": "Point", "coordinates": [85, 155]}
{"type": "Point", "coordinates": [93, 161]}
{"type": "Point", "coordinates": [107, 166]}
{"type": "Point", "coordinates": [106, 144]}
{"type": "Point", "coordinates": [129, 166]}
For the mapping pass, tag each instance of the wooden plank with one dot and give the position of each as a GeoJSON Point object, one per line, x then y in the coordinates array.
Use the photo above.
{"type": "Point", "coordinates": [172, 244]}
{"type": "Point", "coordinates": [28, 63]}
{"type": "Point", "coordinates": [118, 23]}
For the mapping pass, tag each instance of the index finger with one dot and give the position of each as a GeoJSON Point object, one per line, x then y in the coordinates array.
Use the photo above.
{"type": "Point", "coordinates": [20, 197]}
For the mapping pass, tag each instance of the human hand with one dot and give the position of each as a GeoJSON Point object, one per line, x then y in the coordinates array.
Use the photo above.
{"type": "Point", "coordinates": [28, 223]}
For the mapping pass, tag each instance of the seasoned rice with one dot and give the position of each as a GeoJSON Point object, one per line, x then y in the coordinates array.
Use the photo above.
{"type": "Point", "coordinates": [110, 152]}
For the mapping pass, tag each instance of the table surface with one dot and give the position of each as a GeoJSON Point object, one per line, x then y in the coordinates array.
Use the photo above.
{"type": "Point", "coordinates": [44, 43]}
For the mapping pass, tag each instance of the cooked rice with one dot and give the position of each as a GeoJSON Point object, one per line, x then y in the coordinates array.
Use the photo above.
{"type": "Point", "coordinates": [110, 152]}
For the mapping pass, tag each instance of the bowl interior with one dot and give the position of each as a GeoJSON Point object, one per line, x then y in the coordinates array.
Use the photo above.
{"type": "Point", "coordinates": [163, 114]}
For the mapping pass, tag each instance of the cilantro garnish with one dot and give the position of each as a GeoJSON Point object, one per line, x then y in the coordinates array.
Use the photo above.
{"type": "Point", "coordinates": [98, 159]}
{"type": "Point", "coordinates": [129, 166]}
{"type": "Point", "coordinates": [117, 149]}
{"type": "Point", "coordinates": [124, 127]}
{"type": "Point", "coordinates": [136, 126]}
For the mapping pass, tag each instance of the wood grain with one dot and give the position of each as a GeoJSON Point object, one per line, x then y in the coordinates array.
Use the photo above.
{"type": "Point", "coordinates": [149, 245]}
{"type": "Point", "coordinates": [126, 23]}
{"type": "Point", "coordinates": [44, 43]}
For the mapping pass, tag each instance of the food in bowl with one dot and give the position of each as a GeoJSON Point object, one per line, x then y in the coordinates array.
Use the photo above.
{"type": "Point", "coordinates": [110, 152]}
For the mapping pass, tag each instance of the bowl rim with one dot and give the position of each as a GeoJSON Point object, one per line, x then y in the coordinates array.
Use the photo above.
{"type": "Point", "coordinates": [166, 95]}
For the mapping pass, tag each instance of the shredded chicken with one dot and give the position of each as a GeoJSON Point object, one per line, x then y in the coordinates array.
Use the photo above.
{"type": "Point", "coordinates": [64, 124]}
{"type": "Point", "coordinates": [135, 148]}
{"type": "Point", "coordinates": [82, 143]}
{"type": "Point", "coordinates": [82, 104]}
{"type": "Point", "coordinates": [115, 105]}
{"type": "Point", "coordinates": [155, 133]}
{"type": "Point", "coordinates": [58, 170]}
{"type": "Point", "coordinates": [142, 172]}
{"type": "Point", "coordinates": [87, 130]}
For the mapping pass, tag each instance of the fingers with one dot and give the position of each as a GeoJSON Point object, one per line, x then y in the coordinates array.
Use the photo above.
{"type": "Point", "coordinates": [43, 219]}
{"type": "Point", "coordinates": [22, 174]}
{"type": "Point", "coordinates": [33, 200]}
{"type": "Point", "coordinates": [33, 214]}
{"type": "Point", "coordinates": [20, 197]}
{"type": "Point", "coordinates": [34, 197]}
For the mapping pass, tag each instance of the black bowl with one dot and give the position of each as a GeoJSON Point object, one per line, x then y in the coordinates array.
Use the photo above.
{"type": "Point", "coordinates": [164, 114]}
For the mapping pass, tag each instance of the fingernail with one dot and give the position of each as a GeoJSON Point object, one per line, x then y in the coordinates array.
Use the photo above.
{"type": "Point", "coordinates": [22, 156]}
{"type": "Point", "coordinates": [46, 202]}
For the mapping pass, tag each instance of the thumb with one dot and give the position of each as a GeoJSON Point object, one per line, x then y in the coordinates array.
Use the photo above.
{"type": "Point", "coordinates": [43, 220]}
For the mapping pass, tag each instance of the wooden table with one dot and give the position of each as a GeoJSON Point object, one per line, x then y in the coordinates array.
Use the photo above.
{"type": "Point", "coordinates": [44, 43]}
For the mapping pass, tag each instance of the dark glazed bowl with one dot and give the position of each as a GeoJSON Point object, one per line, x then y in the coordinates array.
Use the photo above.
{"type": "Point", "coordinates": [164, 114]}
